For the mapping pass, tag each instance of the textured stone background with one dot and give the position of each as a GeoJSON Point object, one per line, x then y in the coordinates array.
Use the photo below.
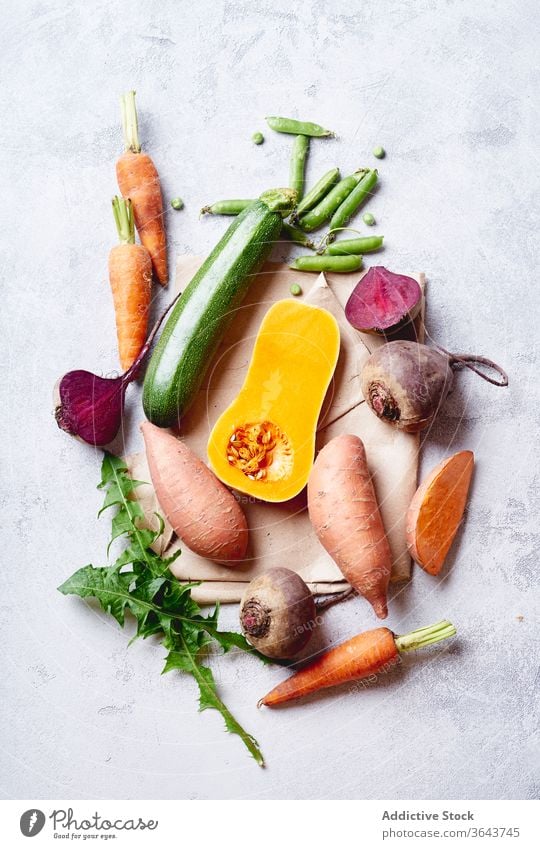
{"type": "Point", "coordinates": [450, 89]}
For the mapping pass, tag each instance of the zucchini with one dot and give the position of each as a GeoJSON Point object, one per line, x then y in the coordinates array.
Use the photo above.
{"type": "Point", "coordinates": [198, 321]}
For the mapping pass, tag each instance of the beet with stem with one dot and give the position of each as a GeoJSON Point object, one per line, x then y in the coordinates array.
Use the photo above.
{"type": "Point", "coordinates": [278, 613]}
{"type": "Point", "coordinates": [406, 383]}
{"type": "Point", "coordinates": [91, 407]}
{"type": "Point", "coordinates": [383, 302]}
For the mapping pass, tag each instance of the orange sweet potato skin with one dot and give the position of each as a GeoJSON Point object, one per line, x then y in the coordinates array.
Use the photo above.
{"type": "Point", "coordinates": [204, 514]}
{"type": "Point", "coordinates": [436, 511]}
{"type": "Point", "coordinates": [345, 516]}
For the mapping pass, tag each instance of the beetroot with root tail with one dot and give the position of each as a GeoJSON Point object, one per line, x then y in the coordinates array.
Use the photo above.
{"type": "Point", "coordinates": [91, 407]}
{"type": "Point", "coordinates": [278, 613]}
{"type": "Point", "coordinates": [383, 302]}
{"type": "Point", "coordinates": [406, 383]}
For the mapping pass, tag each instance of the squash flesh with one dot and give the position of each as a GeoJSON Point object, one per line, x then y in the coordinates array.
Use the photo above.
{"type": "Point", "coordinates": [292, 364]}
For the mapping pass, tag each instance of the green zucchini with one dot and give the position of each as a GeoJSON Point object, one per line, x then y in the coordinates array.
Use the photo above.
{"type": "Point", "coordinates": [198, 321]}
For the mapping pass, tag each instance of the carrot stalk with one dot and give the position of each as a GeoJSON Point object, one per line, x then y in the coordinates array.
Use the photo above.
{"type": "Point", "coordinates": [130, 275]}
{"type": "Point", "coordinates": [364, 655]}
{"type": "Point", "coordinates": [427, 636]}
{"type": "Point", "coordinates": [138, 180]}
{"type": "Point", "coordinates": [130, 122]}
{"type": "Point", "coordinates": [123, 217]}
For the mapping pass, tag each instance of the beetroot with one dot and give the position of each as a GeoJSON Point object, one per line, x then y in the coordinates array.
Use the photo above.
{"type": "Point", "coordinates": [91, 407]}
{"type": "Point", "coordinates": [406, 383]}
{"type": "Point", "coordinates": [383, 302]}
{"type": "Point", "coordinates": [278, 613]}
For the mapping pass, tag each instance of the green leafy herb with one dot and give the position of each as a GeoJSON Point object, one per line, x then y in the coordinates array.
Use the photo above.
{"type": "Point", "coordinates": [141, 583]}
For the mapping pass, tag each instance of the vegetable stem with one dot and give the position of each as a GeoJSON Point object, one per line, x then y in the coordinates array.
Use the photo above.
{"type": "Point", "coordinates": [125, 223]}
{"type": "Point", "coordinates": [130, 123]}
{"type": "Point", "coordinates": [425, 636]}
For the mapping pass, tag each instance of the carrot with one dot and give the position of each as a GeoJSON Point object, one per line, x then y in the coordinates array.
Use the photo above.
{"type": "Point", "coordinates": [436, 511]}
{"type": "Point", "coordinates": [130, 275]}
{"type": "Point", "coordinates": [199, 508]}
{"type": "Point", "coordinates": [362, 656]}
{"type": "Point", "coordinates": [138, 180]}
{"type": "Point", "coordinates": [344, 513]}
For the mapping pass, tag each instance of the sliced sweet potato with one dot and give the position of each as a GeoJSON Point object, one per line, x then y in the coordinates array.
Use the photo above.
{"type": "Point", "coordinates": [436, 511]}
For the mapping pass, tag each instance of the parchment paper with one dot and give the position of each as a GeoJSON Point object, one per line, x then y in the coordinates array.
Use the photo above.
{"type": "Point", "coordinates": [281, 534]}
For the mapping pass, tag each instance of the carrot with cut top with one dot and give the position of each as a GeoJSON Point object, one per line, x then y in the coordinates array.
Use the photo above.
{"type": "Point", "coordinates": [360, 657]}
{"type": "Point", "coordinates": [138, 180]}
{"type": "Point", "coordinates": [345, 516]}
{"type": "Point", "coordinates": [130, 275]}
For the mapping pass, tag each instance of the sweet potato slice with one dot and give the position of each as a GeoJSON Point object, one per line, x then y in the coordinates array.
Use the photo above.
{"type": "Point", "coordinates": [436, 511]}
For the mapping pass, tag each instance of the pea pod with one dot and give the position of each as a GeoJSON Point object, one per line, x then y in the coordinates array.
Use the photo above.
{"type": "Point", "coordinates": [299, 157]}
{"type": "Point", "coordinates": [319, 190]}
{"type": "Point", "coordinates": [297, 236]}
{"type": "Point", "coordinates": [324, 262]}
{"type": "Point", "coordinates": [226, 207]}
{"type": "Point", "coordinates": [297, 128]}
{"type": "Point", "coordinates": [362, 190]}
{"type": "Point", "coordinates": [316, 217]}
{"type": "Point", "coordinates": [362, 245]}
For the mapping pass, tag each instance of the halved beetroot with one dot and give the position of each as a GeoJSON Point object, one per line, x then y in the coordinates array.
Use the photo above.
{"type": "Point", "coordinates": [383, 302]}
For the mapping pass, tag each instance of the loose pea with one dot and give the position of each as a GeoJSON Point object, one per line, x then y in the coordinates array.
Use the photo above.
{"type": "Point", "coordinates": [351, 203]}
{"type": "Point", "coordinates": [324, 262]}
{"type": "Point", "coordinates": [295, 289]}
{"type": "Point", "coordinates": [368, 219]}
{"type": "Point", "coordinates": [226, 207]}
{"type": "Point", "coordinates": [299, 157]}
{"type": "Point", "coordinates": [177, 203]}
{"type": "Point", "coordinates": [379, 152]}
{"type": "Point", "coordinates": [316, 217]}
{"type": "Point", "coordinates": [297, 128]}
{"type": "Point", "coordinates": [257, 138]}
{"type": "Point", "coordinates": [319, 190]}
{"type": "Point", "coordinates": [297, 236]}
{"type": "Point", "coordinates": [363, 245]}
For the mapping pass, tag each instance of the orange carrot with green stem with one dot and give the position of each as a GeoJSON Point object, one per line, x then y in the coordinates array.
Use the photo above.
{"type": "Point", "coordinates": [130, 275]}
{"type": "Point", "coordinates": [366, 654]}
{"type": "Point", "coordinates": [138, 180]}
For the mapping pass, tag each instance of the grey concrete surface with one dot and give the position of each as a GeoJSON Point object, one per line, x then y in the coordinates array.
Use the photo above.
{"type": "Point", "coordinates": [450, 89]}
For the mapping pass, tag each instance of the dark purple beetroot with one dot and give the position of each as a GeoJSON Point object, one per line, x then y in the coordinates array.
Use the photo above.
{"type": "Point", "coordinates": [90, 406]}
{"type": "Point", "coordinates": [383, 302]}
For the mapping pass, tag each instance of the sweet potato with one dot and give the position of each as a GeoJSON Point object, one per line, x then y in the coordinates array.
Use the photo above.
{"type": "Point", "coordinates": [202, 512]}
{"type": "Point", "coordinates": [344, 513]}
{"type": "Point", "coordinates": [436, 511]}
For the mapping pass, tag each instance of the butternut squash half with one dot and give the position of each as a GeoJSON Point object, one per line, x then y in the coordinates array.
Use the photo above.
{"type": "Point", "coordinates": [263, 444]}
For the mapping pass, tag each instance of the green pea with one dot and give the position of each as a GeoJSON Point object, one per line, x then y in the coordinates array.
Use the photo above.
{"type": "Point", "coordinates": [295, 289]}
{"type": "Point", "coordinates": [379, 152]}
{"type": "Point", "coordinates": [297, 128]}
{"type": "Point", "coordinates": [363, 245]}
{"type": "Point", "coordinates": [299, 157]}
{"type": "Point", "coordinates": [297, 236]}
{"type": "Point", "coordinates": [355, 199]}
{"type": "Point", "coordinates": [177, 203]}
{"type": "Point", "coordinates": [316, 217]}
{"type": "Point", "coordinates": [368, 219]}
{"type": "Point", "coordinates": [319, 190]}
{"type": "Point", "coordinates": [226, 207]}
{"type": "Point", "coordinates": [324, 262]}
{"type": "Point", "coordinates": [257, 138]}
